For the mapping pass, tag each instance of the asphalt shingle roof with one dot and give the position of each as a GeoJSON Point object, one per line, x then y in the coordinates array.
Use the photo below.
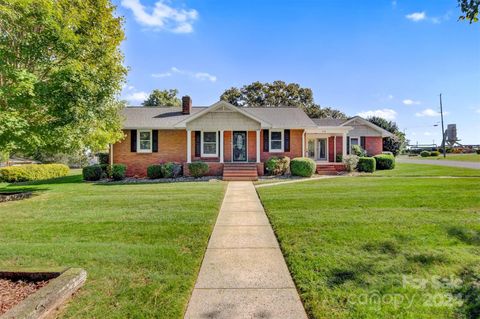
{"type": "Point", "coordinates": [167, 117]}
{"type": "Point", "coordinates": [329, 122]}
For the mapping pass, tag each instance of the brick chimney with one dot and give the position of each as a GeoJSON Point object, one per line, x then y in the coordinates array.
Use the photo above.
{"type": "Point", "coordinates": [186, 104]}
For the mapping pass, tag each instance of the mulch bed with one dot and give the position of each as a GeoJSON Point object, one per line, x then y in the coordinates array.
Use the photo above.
{"type": "Point", "coordinates": [13, 292]}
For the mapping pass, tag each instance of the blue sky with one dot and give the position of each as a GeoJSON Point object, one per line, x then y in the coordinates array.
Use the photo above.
{"type": "Point", "coordinates": [389, 58]}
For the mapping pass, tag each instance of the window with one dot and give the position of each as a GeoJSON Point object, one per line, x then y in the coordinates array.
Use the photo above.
{"type": "Point", "coordinates": [276, 141]}
{"type": "Point", "coordinates": [144, 141]}
{"type": "Point", "coordinates": [209, 144]}
{"type": "Point", "coordinates": [353, 141]}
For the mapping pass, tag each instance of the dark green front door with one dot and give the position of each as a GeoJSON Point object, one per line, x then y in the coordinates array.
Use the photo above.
{"type": "Point", "coordinates": [239, 146]}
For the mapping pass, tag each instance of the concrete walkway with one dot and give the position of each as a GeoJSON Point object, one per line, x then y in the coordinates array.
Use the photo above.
{"type": "Point", "coordinates": [441, 163]}
{"type": "Point", "coordinates": [243, 274]}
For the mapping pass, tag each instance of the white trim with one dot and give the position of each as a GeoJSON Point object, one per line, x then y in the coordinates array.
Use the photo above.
{"type": "Point", "coordinates": [139, 150]}
{"type": "Point", "coordinates": [246, 147]}
{"type": "Point", "coordinates": [189, 146]}
{"type": "Point", "coordinates": [350, 143]}
{"type": "Point", "coordinates": [282, 149]}
{"type": "Point", "coordinates": [202, 154]}
{"type": "Point", "coordinates": [221, 146]}
{"type": "Point", "coordinates": [344, 145]}
{"type": "Point", "coordinates": [257, 145]}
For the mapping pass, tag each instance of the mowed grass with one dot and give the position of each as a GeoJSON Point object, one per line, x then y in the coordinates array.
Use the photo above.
{"type": "Point", "coordinates": [141, 244]}
{"type": "Point", "coordinates": [416, 170]}
{"type": "Point", "coordinates": [454, 157]}
{"type": "Point", "coordinates": [371, 247]}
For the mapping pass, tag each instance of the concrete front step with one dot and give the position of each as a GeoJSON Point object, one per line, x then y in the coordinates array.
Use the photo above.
{"type": "Point", "coordinates": [240, 178]}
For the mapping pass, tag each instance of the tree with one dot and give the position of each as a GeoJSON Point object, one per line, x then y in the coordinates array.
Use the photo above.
{"type": "Point", "coordinates": [397, 142]}
{"type": "Point", "coordinates": [60, 71]}
{"type": "Point", "coordinates": [325, 112]}
{"type": "Point", "coordinates": [273, 94]}
{"type": "Point", "coordinates": [469, 9]}
{"type": "Point", "coordinates": [278, 94]}
{"type": "Point", "coordinates": [163, 98]}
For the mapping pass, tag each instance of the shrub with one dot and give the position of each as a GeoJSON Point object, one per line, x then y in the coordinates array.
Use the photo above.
{"type": "Point", "coordinates": [435, 153]}
{"type": "Point", "coordinates": [425, 154]}
{"type": "Point", "coordinates": [32, 172]}
{"type": "Point", "coordinates": [103, 158]}
{"type": "Point", "coordinates": [302, 166]}
{"type": "Point", "coordinates": [277, 165]}
{"type": "Point", "coordinates": [198, 169]}
{"type": "Point", "coordinates": [171, 170]}
{"type": "Point", "coordinates": [358, 150]}
{"type": "Point", "coordinates": [339, 158]}
{"type": "Point", "coordinates": [366, 164]}
{"type": "Point", "coordinates": [350, 162]}
{"type": "Point", "coordinates": [118, 171]}
{"type": "Point", "coordinates": [154, 171]}
{"type": "Point", "coordinates": [92, 172]}
{"type": "Point", "coordinates": [106, 170]}
{"type": "Point", "coordinates": [478, 151]}
{"type": "Point", "coordinates": [384, 161]}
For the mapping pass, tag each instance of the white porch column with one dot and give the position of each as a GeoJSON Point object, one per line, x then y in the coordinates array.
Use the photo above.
{"type": "Point", "coordinates": [221, 146]}
{"type": "Point", "coordinates": [258, 145]}
{"type": "Point", "coordinates": [344, 145]}
{"type": "Point", "coordinates": [303, 143]}
{"type": "Point", "coordinates": [189, 146]}
{"type": "Point", "coordinates": [334, 148]}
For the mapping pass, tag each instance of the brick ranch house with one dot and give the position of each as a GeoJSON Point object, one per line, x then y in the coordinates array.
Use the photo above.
{"type": "Point", "coordinates": [236, 141]}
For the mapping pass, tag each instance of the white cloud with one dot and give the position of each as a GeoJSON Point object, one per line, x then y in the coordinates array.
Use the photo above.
{"type": "Point", "coordinates": [387, 114]}
{"type": "Point", "coordinates": [428, 112]}
{"type": "Point", "coordinates": [410, 102]}
{"type": "Point", "coordinates": [136, 97]}
{"type": "Point", "coordinates": [162, 16]}
{"type": "Point", "coordinates": [416, 16]}
{"type": "Point", "coordinates": [162, 75]}
{"type": "Point", "coordinates": [202, 76]}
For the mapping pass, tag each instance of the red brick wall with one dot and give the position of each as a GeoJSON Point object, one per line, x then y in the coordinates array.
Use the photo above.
{"type": "Point", "coordinates": [295, 146]}
{"type": "Point", "coordinates": [373, 145]}
{"type": "Point", "coordinates": [339, 145]}
{"type": "Point", "coordinates": [172, 147]}
{"type": "Point", "coordinates": [331, 149]}
{"type": "Point", "coordinates": [227, 146]}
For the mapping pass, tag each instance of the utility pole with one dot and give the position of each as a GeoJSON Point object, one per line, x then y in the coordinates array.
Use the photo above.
{"type": "Point", "coordinates": [443, 129]}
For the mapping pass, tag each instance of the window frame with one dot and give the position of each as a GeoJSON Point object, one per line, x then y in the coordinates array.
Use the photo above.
{"type": "Point", "coordinates": [351, 145]}
{"type": "Point", "coordinates": [202, 141]}
{"type": "Point", "coordinates": [139, 149]}
{"type": "Point", "coordinates": [282, 137]}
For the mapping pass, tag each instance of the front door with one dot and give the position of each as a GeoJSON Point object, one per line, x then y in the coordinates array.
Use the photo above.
{"type": "Point", "coordinates": [322, 149]}
{"type": "Point", "coordinates": [239, 146]}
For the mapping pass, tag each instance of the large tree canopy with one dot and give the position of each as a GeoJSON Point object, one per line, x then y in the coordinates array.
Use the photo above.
{"type": "Point", "coordinates": [393, 144]}
{"type": "Point", "coordinates": [278, 94]}
{"type": "Point", "coordinates": [163, 98]}
{"type": "Point", "coordinates": [469, 10]}
{"type": "Point", "coordinates": [60, 71]}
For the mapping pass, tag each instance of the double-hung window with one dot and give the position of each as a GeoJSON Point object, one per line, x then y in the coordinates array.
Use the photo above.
{"type": "Point", "coordinates": [353, 141]}
{"type": "Point", "coordinates": [276, 141]}
{"type": "Point", "coordinates": [144, 141]}
{"type": "Point", "coordinates": [209, 144]}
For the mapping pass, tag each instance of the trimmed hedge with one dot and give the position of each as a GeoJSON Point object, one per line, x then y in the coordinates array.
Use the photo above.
{"type": "Point", "coordinates": [302, 166]}
{"type": "Point", "coordinates": [366, 164]}
{"type": "Point", "coordinates": [118, 171]}
{"type": "Point", "coordinates": [93, 172]}
{"type": "Point", "coordinates": [435, 153]}
{"type": "Point", "coordinates": [424, 153]}
{"type": "Point", "coordinates": [277, 165]}
{"type": "Point", "coordinates": [384, 161]}
{"type": "Point", "coordinates": [198, 169]}
{"type": "Point", "coordinates": [154, 171]}
{"type": "Point", "coordinates": [32, 172]}
{"type": "Point", "coordinates": [103, 158]}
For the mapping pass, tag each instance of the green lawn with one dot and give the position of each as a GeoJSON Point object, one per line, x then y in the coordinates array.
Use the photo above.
{"type": "Point", "coordinates": [141, 244]}
{"type": "Point", "coordinates": [454, 157]}
{"type": "Point", "coordinates": [349, 241]}
{"type": "Point", "coordinates": [412, 170]}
